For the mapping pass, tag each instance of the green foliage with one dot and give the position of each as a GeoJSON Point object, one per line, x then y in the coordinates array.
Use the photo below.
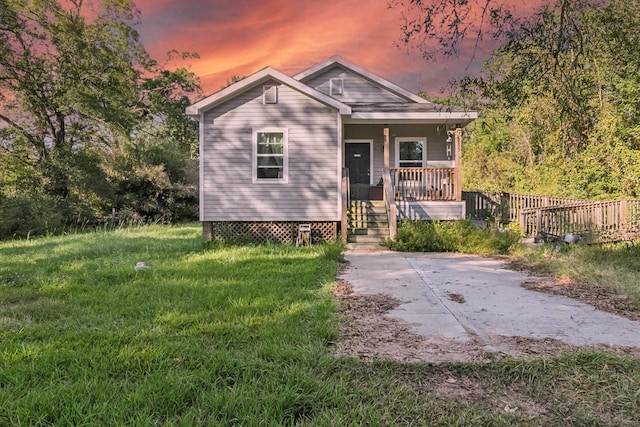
{"type": "Point", "coordinates": [75, 84]}
{"type": "Point", "coordinates": [454, 236]}
{"type": "Point", "coordinates": [333, 251]}
{"type": "Point", "coordinates": [560, 98]}
{"type": "Point", "coordinates": [23, 216]}
{"type": "Point", "coordinates": [489, 161]}
{"type": "Point", "coordinates": [155, 178]}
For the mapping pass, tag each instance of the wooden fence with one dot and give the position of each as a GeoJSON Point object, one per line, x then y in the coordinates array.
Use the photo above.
{"type": "Point", "coordinates": [596, 221]}
{"type": "Point", "coordinates": [600, 221]}
{"type": "Point", "coordinates": [506, 207]}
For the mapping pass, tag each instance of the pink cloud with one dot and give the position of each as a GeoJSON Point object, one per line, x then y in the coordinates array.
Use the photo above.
{"type": "Point", "coordinates": [238, 38]}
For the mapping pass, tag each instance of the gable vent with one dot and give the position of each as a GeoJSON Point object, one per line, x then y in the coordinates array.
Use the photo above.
{"type": "Point", "coordinates": [336, 86]}
{"type": "Point", "coordinates": [270, 94]}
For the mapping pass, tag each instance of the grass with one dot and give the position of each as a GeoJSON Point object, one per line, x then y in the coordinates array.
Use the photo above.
{"type": "Point", "coordinates": [241, 335]}
{"type": "Point", "coordinates": [613, 267]}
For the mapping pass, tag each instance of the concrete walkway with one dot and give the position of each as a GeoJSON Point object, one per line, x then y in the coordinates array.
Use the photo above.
{"type": "Point", "coordinates": [458, 297]}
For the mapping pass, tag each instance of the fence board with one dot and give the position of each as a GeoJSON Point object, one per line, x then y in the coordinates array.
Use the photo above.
{"type": "Point", "coordinates": [600, 221]}
{"type": "Point", "coordinates": [605, 221]}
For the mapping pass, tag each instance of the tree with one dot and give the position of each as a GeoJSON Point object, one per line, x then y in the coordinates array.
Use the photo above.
{"type": "Point", "coordinates": [556, 78]}
{"type": "Point", "coordinates": [74, 83]}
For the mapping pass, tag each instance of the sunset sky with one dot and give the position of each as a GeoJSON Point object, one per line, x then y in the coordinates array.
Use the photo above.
{"type": "Point", "coordinates": [240, 37]}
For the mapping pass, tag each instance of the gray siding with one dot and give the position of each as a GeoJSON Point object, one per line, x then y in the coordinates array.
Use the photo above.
{"type": "Point", "coordinates": [356, 89]}
{"type": "Point", "coordinates": [311, 193]}
{"type": "Point", "coordinates": [435, 134]}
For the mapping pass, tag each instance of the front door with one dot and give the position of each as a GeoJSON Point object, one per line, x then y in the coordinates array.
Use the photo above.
{"type": "Point", "coordinates": [357, 158]}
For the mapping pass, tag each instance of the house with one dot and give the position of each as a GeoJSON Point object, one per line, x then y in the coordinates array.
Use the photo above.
{"type": "Point", "coordinates": [318, 147]}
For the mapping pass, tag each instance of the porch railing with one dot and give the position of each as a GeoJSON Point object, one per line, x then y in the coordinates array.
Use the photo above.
{"type": "Point", "coordinates": [416, 184]}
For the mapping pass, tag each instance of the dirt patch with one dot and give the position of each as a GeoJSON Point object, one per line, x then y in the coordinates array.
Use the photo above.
{"type": "Point", "coordinates": [456, 298]}
{"type": "Point", "coordinates": [367, 333]}
{"type": "Point", "coordinates": [602, 299]}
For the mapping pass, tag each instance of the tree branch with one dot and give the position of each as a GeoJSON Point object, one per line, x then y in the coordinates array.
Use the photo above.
{"type": "Point", "coordinates": [17, 127]}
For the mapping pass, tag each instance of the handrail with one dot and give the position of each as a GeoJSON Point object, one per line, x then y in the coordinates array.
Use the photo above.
{"type": "Point", "coordinates": [390, 202]}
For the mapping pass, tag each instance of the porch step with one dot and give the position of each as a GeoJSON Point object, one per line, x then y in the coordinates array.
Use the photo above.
{"type": "Point", "coordinates": [368, 223]}
{"type": "Point", "coordinates": [357, 238]}
{"type": "Point", "coordinates": [366, 247]}
{"type": "Point", "coordinates": [377, 232]}
{"type": "Point", "coordinates": [368, 204]}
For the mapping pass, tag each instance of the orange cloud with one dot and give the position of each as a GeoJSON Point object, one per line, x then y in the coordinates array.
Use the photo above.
{"type": "Point", "coordinates": [240, 37]}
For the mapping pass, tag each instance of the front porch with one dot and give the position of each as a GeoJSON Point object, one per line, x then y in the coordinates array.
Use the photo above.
{"type": "Point", "coordinates": [408, 191]}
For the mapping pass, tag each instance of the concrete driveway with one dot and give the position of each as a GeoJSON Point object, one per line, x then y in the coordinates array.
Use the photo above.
{"type": "Point", "coordinates": [463, 297]}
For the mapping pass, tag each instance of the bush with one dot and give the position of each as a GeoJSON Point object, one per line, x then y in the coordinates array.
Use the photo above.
{"type": "Point", "coordinates": [452, 236]}
{"type": "Point", "coordinates": [37, 214]}
{"type": "Point", "coordinates": [155, 180]}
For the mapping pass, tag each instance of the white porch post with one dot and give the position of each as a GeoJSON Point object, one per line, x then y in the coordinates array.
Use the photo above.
{"type": "Point", "coordinates": [387, 163]}
{"type": "Point", "coordinates": [389, 197]}
{"type": "Point", "coordinates": [458, 164]}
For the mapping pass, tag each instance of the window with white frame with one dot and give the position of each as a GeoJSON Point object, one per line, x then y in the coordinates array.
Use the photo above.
{"type": "Point", "coordinates": [410, 152]}
{"type": "Point", "coordinates": [270, 154]}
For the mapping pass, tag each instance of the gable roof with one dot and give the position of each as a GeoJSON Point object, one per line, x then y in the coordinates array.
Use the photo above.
{"type": "Point", "coordinates": [338, 61]}
{"type": "Point", "coordinates": [256, 79]}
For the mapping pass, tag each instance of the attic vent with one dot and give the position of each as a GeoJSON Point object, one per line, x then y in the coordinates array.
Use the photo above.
{"type": "Point", "coordinates": [336, 86]}
{"type": "Point", "coordinates": [269, 94]}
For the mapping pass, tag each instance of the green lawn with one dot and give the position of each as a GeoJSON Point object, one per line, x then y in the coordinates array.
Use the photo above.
{"type": "Point", "coordinates": [241, 335]}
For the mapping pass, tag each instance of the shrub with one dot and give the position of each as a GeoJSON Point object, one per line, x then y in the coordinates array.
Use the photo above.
{"type": "Point", "coordinates": [37, 214]}
{"type": "Point", "coordinates": [452, 236]}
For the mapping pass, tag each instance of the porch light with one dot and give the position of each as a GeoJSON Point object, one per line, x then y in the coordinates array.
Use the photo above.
{"type": "Point", "coordinates": [449, 144]}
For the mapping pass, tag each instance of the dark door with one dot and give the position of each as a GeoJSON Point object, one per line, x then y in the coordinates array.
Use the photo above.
{"type": "Point", "coordinates": [357, 158]}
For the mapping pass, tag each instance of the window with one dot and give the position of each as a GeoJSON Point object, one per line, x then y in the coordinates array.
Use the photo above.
{"type": "Point", "coordinates": [410, 152]}
{"type": "Point", "coordinates": [269, 94]}
{"type": "Point", "coordinates": [270, 155]}
{"type": "Point", "coordinates": [336, 86]}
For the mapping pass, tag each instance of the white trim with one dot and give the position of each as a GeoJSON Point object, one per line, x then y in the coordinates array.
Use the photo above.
{"type": "Point", "coordinates": [350, 66]}
{"type": "Point", "coordinates": [399, 139]}
{"type": "Point", "coordinates": [339, 162]}
{"type": "Point", "coordinates": [361, 141]}
{"type": "Point", "coordinates": [445, 210]}
{"type": "Point", "coordinates": [441, 121]}
{"type": "Point", "coordinates": [440, 163]}
{"type": "Point", "coordinates": [285, 155]}
{"type": "Point", "coordinates": [254, 80]}
{"type": "Point", "coordinates": [459, 115]}
{"type": "Point", "coordinates": [201, 166]}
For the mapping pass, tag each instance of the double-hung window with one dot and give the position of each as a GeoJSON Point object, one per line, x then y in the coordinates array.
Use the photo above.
{"type": "Point", "coordinates": [270, 155]}
{"type": "Point", "coordinates": [410, 152]}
